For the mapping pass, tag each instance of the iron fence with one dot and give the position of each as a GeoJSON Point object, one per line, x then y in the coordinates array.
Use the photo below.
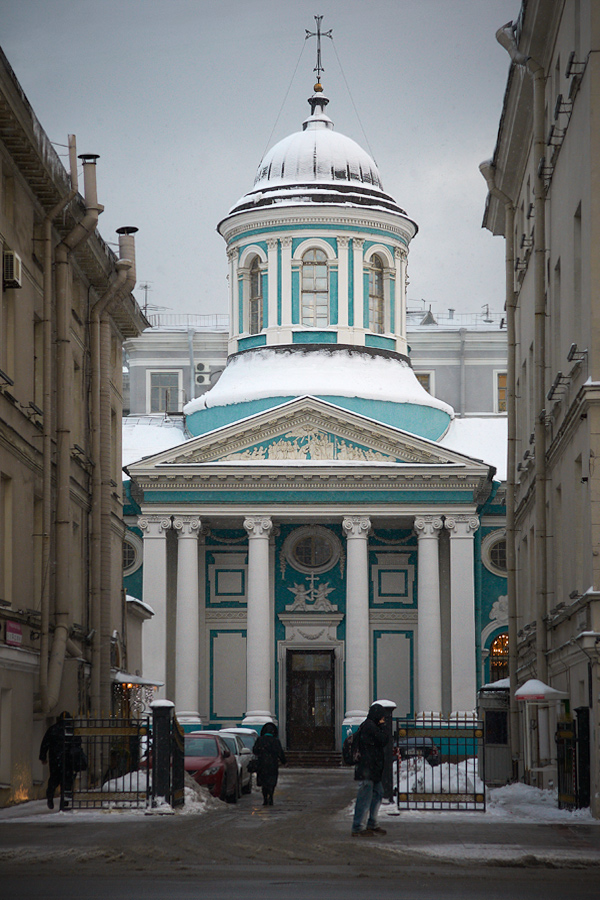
{"type": "Point", "coordinates": [437, 765]}
{"type": "Point", "coordinates": [105, 764]}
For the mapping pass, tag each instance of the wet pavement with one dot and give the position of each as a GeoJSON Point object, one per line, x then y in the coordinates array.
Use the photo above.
{"type": "Point", "coordinates": [303, 838]}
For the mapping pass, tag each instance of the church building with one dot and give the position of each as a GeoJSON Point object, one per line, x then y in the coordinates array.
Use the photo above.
{"type": "Point", "coordinates": [317, 543]}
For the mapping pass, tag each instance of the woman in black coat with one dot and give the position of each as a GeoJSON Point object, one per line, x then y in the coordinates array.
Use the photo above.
{"type": "Point", "coordinates": [269, 753]}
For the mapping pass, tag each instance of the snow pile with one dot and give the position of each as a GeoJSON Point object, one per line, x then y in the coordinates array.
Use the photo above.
{"type": "Point", "coordinates": [269, 373]}
{"type": "Point", "coordinates": [417, 776]}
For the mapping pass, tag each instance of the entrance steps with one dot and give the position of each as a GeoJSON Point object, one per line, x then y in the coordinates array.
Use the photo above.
{"type": "Point", "coordinates": [313, 759]}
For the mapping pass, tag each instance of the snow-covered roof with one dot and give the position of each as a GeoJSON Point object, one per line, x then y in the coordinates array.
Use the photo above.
{"type": "Point", "coordinates": [481, 437]}
{"type": "Point", "coordinates": [286, 373]}
{"type": "Point", "coordinates": [317, 165]}
{"type": "Point", "coordinates": [147, 435]}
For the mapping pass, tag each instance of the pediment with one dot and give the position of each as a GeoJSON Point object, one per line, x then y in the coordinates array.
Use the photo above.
{"type": "Point", "coordinates": [307, 429]}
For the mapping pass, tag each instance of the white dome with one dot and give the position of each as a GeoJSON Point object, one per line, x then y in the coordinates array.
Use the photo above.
{"type": "Point", "coordinates": [317, 165]}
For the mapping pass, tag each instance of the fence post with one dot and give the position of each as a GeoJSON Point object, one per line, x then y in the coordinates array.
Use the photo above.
{"type": "Point", "coordinates": [162, 717]}
{"type": "Point", "coordinates": [388, 751]}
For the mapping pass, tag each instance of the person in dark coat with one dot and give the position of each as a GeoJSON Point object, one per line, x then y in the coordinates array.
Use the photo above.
{"type": "Point", "coordinates": [269, 753]}
{"type": "Point", "coordinates": [57, 749]}
{"type": "Point", "coordinates": [372, 737]}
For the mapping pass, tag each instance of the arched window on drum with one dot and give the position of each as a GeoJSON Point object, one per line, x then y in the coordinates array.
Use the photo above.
{"type": "Point", "coordinates": [376, 296]}
{"type": "Point", "coordinates": [315, 289]}
{"type": "Point", "coordinates": [255, 298]}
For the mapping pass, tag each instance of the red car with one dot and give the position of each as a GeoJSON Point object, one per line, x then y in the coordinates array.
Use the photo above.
{"type": "Point", "coordinates": [212, 764]}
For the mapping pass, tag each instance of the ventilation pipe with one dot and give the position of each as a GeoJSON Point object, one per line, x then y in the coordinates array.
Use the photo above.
{"type": "Point", "coordinates": [506, 37]}
{"type": "Point", "coordinates": [63, 526]}
{"type": "Point", "coordinates": [102, 482]}
{"type": "Point", "coordinates": [487, 169]}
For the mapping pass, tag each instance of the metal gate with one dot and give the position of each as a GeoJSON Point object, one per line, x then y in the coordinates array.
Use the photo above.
{"type": "Point", "coordinates": [437, 764]}
{"type": "Point", "coordinates": [573, 761]}
{"type": "Point", "coordinates": [105, 763]}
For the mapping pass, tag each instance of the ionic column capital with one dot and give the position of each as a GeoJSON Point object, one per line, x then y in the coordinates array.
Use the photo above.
{"type": "Point", "coordinates": [428, 526]}
{"type": "Point", "coordinates": [356, 526]}
{"type": "Point", "coordinates": [258, 526]}
{"type": "Point", "coordinates": [187, 526]}
{"type": "Point", "coordinates": [462, 526]}
{"type": "Point", "coordinates": [154, 526]}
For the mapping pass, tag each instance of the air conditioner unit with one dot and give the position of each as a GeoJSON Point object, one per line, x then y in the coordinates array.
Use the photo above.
{"type": "Point", "coordinates": [203, 379]}
{"type": "Point", "coordinates": [12, 270]}
{"type": "Point", "coordinates": [201, 367]}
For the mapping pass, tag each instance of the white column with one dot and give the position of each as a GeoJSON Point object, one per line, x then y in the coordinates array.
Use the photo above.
{"type": "Point", "coordinates": [258, 627]}
{"type": "Point", "coordinates": [357, 250]}
{"type": "Point", "coordinates": [187, 631]}
{"type": "Point", "coordinates": [462, 612]}
{"type": "Point", "coordinates": [286, 282]}
{"type": "Point", "coordinates": [358, 669]}
{"type": "Point", "coordinates": [272, 244]}
{"type": "Point", "coordinates": [233, 293]}
{"type": "Point", "coordinates": [154, 587]}
{"type": "Point", "coordinates": [429, 640]}
{"type": "Point", "coordinates": [342, 243]}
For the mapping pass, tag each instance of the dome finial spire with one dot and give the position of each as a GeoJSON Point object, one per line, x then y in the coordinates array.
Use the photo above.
{"type": "Point", "coordinates": [318, 88]}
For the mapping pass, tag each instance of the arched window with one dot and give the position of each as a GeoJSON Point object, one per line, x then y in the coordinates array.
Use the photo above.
{"type": "Point", "coordinates": [255, 300]}
{"type": "Point", "coordinates": [499, 658]}
{"type": "Point", "coordinates": [315, 289]}
{"type": "Point", "coordinates": [376, 296]}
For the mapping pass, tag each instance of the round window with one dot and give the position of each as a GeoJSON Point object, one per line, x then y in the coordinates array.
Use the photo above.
{"type": "Point", "coordinates": [312, 549]}
{"type": "Point", "coordinates": [132, 553]}
{"type": "Point", "coordinates": [493, 552]}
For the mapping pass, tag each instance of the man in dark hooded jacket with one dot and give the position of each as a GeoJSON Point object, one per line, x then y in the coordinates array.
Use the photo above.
{"type": "Point", "coordinates": [58, 748]}
{"type": "Point", "coordinates": [372, 737]}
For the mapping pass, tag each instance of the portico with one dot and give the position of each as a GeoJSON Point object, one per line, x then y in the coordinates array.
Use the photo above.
{"type": "Point", "coordinates": [237, 588]}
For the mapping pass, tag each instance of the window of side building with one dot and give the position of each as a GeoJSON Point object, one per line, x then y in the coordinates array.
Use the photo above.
{"type": "Point", "coordinates": [165, 393]}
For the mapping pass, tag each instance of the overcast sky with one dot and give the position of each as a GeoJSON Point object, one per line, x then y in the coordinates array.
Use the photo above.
{"type": "Point", "coordinates": [181, 98]}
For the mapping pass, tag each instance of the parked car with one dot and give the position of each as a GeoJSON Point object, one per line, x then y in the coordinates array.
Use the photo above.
{"type": "Point", "coordinates": [243, 756]}
{"type": "Point", "coordinates": [248, 735]}
{"type": "Point", "coordinates": [211, 763]}
{"type": "Point", "coordinates": [411, 747]}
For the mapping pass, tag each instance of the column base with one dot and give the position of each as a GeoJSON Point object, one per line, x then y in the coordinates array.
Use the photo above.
{"type": "Point", "coordinates": [359, 714]}
{"type": "Point", "coordinates": [187, 717]}
{"type": "Point", "coordinates": [257, 719]}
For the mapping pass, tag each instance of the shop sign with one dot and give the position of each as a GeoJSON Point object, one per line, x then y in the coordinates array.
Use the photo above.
{"type": "Point", "coordinates": [14, 634]}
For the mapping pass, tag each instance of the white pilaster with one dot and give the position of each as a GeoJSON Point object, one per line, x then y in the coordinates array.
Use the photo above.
{"type": "Point", "coordinates": [154, 587]}
{"type": "Point", "coordinates": [272, 245]}
{"type": "Point", "coordinates": [429, 640]}
{"type": "Point", "coordinates": [462, 612]}
{"type": "Point", "coordinates": [358, 670]}
{"type": "Point", "coordinates": [286, 282]}
{"type": "Point", "coordinates": [233, 293]}
{"type": "Point", "coordinates": [357, 251]}
{"type": "Point", "coordinates": [258, 627]}
{"type": "Point", "coordinates": [187, 631]}
{"type": "Point", "coordinates": [342, 243]}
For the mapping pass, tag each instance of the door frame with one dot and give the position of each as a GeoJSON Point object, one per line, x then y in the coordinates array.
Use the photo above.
{"type": "Point", "coordinates": [300, 643]}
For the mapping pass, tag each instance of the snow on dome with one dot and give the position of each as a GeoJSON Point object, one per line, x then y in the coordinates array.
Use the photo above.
{"type": "Point", "coordinates": [299, 167]}
{"type": "Point", "coordinates": [269, 373]}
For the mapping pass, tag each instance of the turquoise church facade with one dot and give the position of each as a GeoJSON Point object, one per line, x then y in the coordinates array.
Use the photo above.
{"type": "Point", "coordinates": [312, 546]}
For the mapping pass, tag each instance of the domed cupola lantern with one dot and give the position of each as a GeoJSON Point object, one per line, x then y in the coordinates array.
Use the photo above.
{"type": "Point", "coordinates": [317, 257]}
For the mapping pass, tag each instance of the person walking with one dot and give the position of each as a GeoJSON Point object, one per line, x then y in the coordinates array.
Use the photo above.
{"type": "Point", "coordinates": [59, 750]}
{"type": "Point", "coordinates": [269, 753]}
{"type": "Point", "coordinates": [372, 737]}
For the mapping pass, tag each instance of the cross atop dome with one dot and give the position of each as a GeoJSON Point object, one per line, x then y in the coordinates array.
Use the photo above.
{"type": "Point", "coordinates": [318, 34]}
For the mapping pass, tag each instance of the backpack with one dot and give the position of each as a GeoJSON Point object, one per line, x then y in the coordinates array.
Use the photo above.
{"type": "Point", "coordinates": [351, 749]}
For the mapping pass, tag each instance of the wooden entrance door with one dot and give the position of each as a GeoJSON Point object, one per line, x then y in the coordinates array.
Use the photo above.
{"type": "Point", "coordinates": [310, 700]}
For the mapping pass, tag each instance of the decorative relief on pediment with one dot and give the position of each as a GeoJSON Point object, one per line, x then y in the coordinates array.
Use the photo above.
{"type": "Point", "coordinates": [310, 443]}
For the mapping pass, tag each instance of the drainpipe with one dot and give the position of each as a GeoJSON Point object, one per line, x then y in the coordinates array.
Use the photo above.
{"type": "Point", "coordinates": [488, 172]}
{"type": "Point", "coordinates": [48, 326]}
{"type": "Point", "coordinates": [506, 37]}
{"type": "Point", "coordinates": [101, 581]}
{"type": "Point", "coordinates": [77, 236]}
